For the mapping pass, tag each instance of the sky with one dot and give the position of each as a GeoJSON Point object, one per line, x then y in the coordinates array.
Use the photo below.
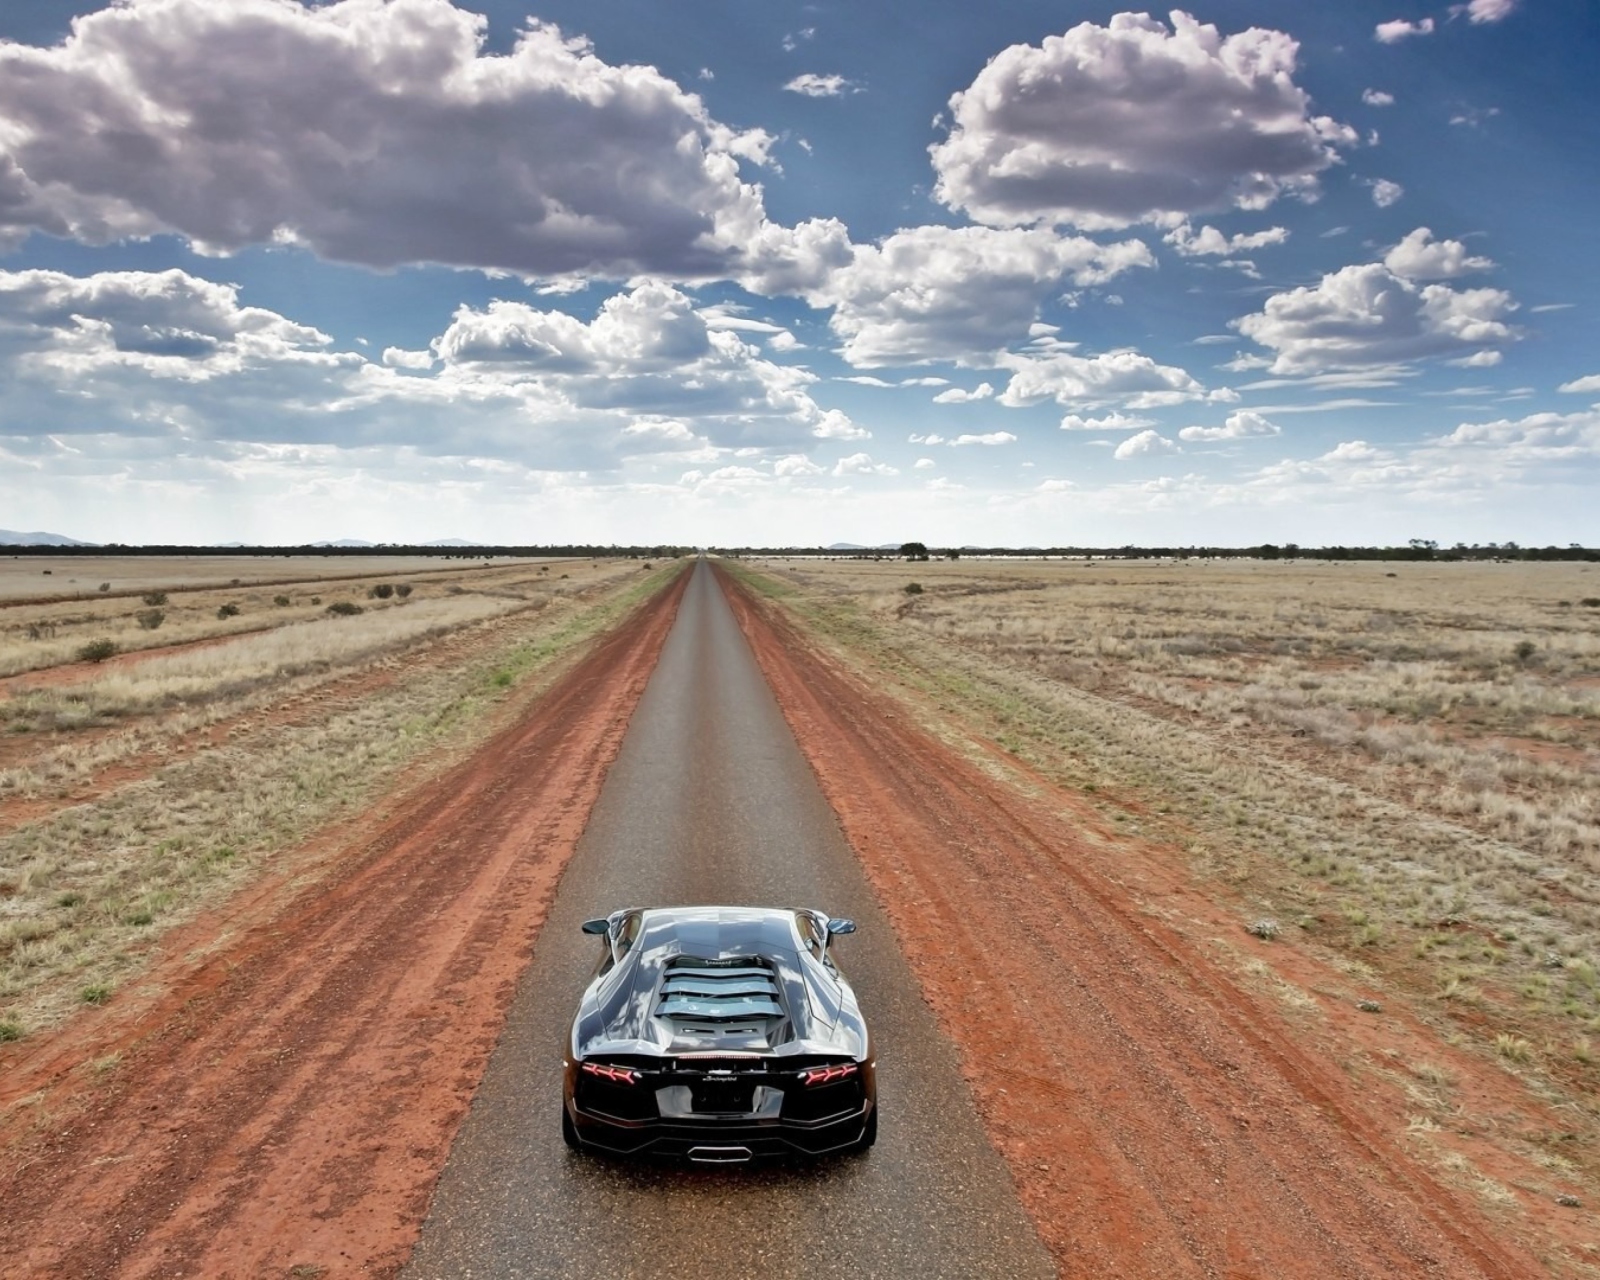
{"type": "Point", "coordinates": [736, 272]}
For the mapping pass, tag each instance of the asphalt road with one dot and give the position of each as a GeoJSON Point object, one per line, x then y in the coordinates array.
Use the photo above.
{"type": "Point", "coordinates": [710, 801]}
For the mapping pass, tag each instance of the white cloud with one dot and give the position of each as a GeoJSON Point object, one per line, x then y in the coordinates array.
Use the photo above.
{"type": "Point", "coordinates": [1128, 377]}
{"type": "Point", "coordinates": [792, 41]}
{"type": "Point", "coordinates": [1209, 241]}
{"type": "Point", "coordinates": [1472, 117]}
{"type": "Point", "coordinates": [836, 425]}
{"type": "Point", "coordinates": [1477, 360]}
{"type": "Point", "coordinates": [1481, 11]}
{"type": "Point", "coordinates": [955, 293]}
{"type": "Point", "coordinates": [1104, 127]}
{"type": "Point", "coordinates": [924, 464]}
{"type": "Point", "coordinates": [960, 395]}
{"type": "Point", "coordinates": [931, 438]}
{"type": "Point", "coordinates": [988, 438]}
{"type": "Point", "coordinates": [374, 133]}
{"type": "Point", "coordinates": [1377, 98]}
{"type": "Point", "coordinates": [796, 464]}
{"type": "Point", "coordinates": [815, 86]}
{"type": "Point", "coordinates": [1400, 29]}
{"type": "Point", "coordinates": [399, 358]}
{"type": "Point", "coordinates": [1384, 192]}
{"type": "Point", "coordinates": [1420, 257]}
{"type": "Point", "coordinates": [1367, 315]}
{"type": "Point", "coordinates": [1582, 386]}
{"type": "Point", "coordinates": [1108, 422]}
{"type": "Point", "coordinates": [1146, 444]}
{"type": "Point", "coordinates": [1239, 426]}
{"type": "Point", "coordinates": [861, 464]}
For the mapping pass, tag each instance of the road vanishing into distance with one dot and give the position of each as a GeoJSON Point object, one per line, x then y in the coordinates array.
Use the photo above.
{"type": "Point", "coordinates": [710, 801]}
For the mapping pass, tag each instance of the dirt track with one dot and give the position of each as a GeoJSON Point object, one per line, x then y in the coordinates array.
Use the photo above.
{"type": "Point", "coordinates": [292, 1101]}
{"type": "Point", "coordinates": [292, 1098]}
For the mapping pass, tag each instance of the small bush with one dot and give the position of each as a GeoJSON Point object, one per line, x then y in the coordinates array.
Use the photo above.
{"type": "Point", "coordinates": [41, 631]}
{"type": "Point", "coordinates": [228, 611]}
{"type": "Point", "coordinates": [281, 601]}
{"type": "Point", "coordinates": [10, 1031]}
{"type": "Point", "coordinates": [1264, 929]}
{"type": "Point", "coordinates": [1513, 1048]}
{"type": "Point", "coordinates": [99, 993]}
{"type": "Point", "coordinates": [154, 598]}
{"type": "Point", "coordinates": [1588, 602]}
{"type": "Point", "coordinates": [316, 599]}
{"type": "Point", "coordinates": [345, 609]}
{"type": "Point", "coordinates": [105, 586]}
{"type": "Point", "coordinates": [403, 590]}
{"type": "Point", "coordinates": [382, 591]}
{"type": "Point", "coordinates": [150, 619]}
{"type": "Point", "coordinates": [1525, 650]}
{"type": "Point", "coordinates": [70, 900]}
{"type": "Point", "coordinates": [913, 588]}
{"type": "Point", "coordinates": [97, 651]}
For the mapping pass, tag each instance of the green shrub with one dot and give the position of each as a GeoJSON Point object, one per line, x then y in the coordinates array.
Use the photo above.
{"type": "Point", "coordinates": [403, 590]}
{"type": "Point", "coordinates": [97, 651]}
{"type": "Point", "coordinates": [228, 611]}
{"type": "Point", "coordinates": [10, 1031]}
{"type": "Point", "coordinates": [150, 619]}
{"type": "Point", "coordinates": [913, 588]}
{"type": "Point", "coordinates": [345, 609]}
{"type": "Point", "coordinates": [154, 598]}
{"type": "Point", "coordinates": [382, 591]}
{"type": "Point", "coordinates": [99, 993]}
{"type": "Point", "coordinates": [281, 601]}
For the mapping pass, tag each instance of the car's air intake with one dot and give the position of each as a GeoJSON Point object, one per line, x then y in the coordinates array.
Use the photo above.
{"type": "Point", "coordinates": [719, 991]}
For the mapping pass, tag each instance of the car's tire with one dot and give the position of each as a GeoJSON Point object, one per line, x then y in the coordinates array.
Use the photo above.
{"type": "Point", "coordinates": [869, 1135]}
{"type": "Point", "coordinates": [569, 1134]}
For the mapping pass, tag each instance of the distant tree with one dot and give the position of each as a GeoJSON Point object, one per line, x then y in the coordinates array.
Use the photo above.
{"type": "Point", "coordinates": [952, 554]}
{"type": "Point", "coordinates": [150, 619]}
{"type": "Point", "coordinates": [914, 551]}
{"type": "Point", "coordinates": [97, 651]}
{"type": "Point", "coordinates": [228, 611]}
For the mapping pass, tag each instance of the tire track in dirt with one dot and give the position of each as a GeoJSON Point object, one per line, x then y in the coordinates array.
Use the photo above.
{"type": "Point", "coordinates": [290, 1101]}
{"type": "Point", "coordinates": [1158, 1120]}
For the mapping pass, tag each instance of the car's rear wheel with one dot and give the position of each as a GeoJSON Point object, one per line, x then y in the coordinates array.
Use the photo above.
{"type": "Point", "coordinates": [569, 1134]}
{"type": "Point", "coordinates": [869, 1135]}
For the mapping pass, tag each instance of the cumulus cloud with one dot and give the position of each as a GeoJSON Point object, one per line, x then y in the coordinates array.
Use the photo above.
{"type": "Point", "coordinates": [861, 464]}
{"type": "Point", "coordinates": [987, 438]}
{"type": "Point", "coordinates": [1420, 257]}
{"type": "Point", "coordinates": [1582, 386]}
{"type": "Point", "coordinates": [815, 86]}
{"type": "Point", "coordinates": [1147, 444]}
{"type": "Point", "coordinates": [924, 464]}
{"type": "Point", "coordinates": [168, 354]}
{"type": "Point", "coordinates": [1400, 29]}
{"type": "Point", "coordinates": [960, 395]}
{"type": "Point", "coordinates": [1384, 192]}
{"type": "Point", "coordinates": [1125, 377]}
{"type": "Point", "coordinates": [1377, 98]}
{"type": "Point", "coordinates": [1367, 315]}
{"type": "Point", "coordinates": [1108, 126]}
{"type": "Point", "coordinates": [1552, 446]}
{"type": "Point", "coordinates": [1208, 241]}
{"type": "Point", "coordinates": [947, 293]}
{"type": "Point", "coordinates": [1108, 422]}
{"type": "Point", "coordinates": [374, 133]}
{"type": "Point", "coordinates": [1239, 426]}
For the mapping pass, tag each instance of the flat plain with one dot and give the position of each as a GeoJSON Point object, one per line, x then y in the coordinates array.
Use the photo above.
{"type": "Point", "coordinates": [163, 740]}
{"type": "Point", "coordinates": [1391, 768]}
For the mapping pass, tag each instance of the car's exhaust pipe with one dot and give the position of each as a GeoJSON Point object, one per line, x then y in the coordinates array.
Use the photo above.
{"type": "Point", "coordinates": [719, 1155]}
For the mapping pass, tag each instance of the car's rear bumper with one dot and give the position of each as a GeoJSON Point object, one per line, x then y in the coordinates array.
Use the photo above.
{"type": "Point", "coordinates": [713, 1140]}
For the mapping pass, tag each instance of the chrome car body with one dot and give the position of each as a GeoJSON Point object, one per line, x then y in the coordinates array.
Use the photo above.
{"type": "Point", "coordinates": [719, 1035]}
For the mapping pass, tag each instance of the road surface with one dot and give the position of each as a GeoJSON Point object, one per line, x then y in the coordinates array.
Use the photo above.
{"type": "Point", "coordinates": [711, 801]}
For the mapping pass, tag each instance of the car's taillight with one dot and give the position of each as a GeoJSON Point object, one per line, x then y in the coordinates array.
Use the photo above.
{"type": "Point", "coordinates": [827, 1075]}
{"type": "Point", "coordinates": [617, 1075]}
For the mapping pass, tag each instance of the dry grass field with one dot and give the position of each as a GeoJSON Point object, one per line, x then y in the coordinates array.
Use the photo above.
{"type": "Point", "coordinates": [271, 699]}
{"type": "Point", "coordinates": [1395, 765]}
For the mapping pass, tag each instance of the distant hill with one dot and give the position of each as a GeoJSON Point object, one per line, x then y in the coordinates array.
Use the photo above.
{"type": "Point", "coordinates": [10, 538]}
{"type": "Point", "coordinates": [454, 542]}
{"type": "Point", "coordinates": [342, 542]}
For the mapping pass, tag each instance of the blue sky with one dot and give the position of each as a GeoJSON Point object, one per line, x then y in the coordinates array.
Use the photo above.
{"type": "Point", "coordinates": [730, 273]}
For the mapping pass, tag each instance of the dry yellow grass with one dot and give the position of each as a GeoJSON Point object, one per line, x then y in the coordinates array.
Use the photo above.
{"type": "Point", "coordinates": [87, 888]}
{"type": "Point", "coordinates": [1402, 758]}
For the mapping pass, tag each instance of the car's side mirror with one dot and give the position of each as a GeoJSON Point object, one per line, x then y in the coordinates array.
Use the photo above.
{"type": "Point", "coordinates": [840, 925]}
{"type": "Point", "coordinates": [596, 926]}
